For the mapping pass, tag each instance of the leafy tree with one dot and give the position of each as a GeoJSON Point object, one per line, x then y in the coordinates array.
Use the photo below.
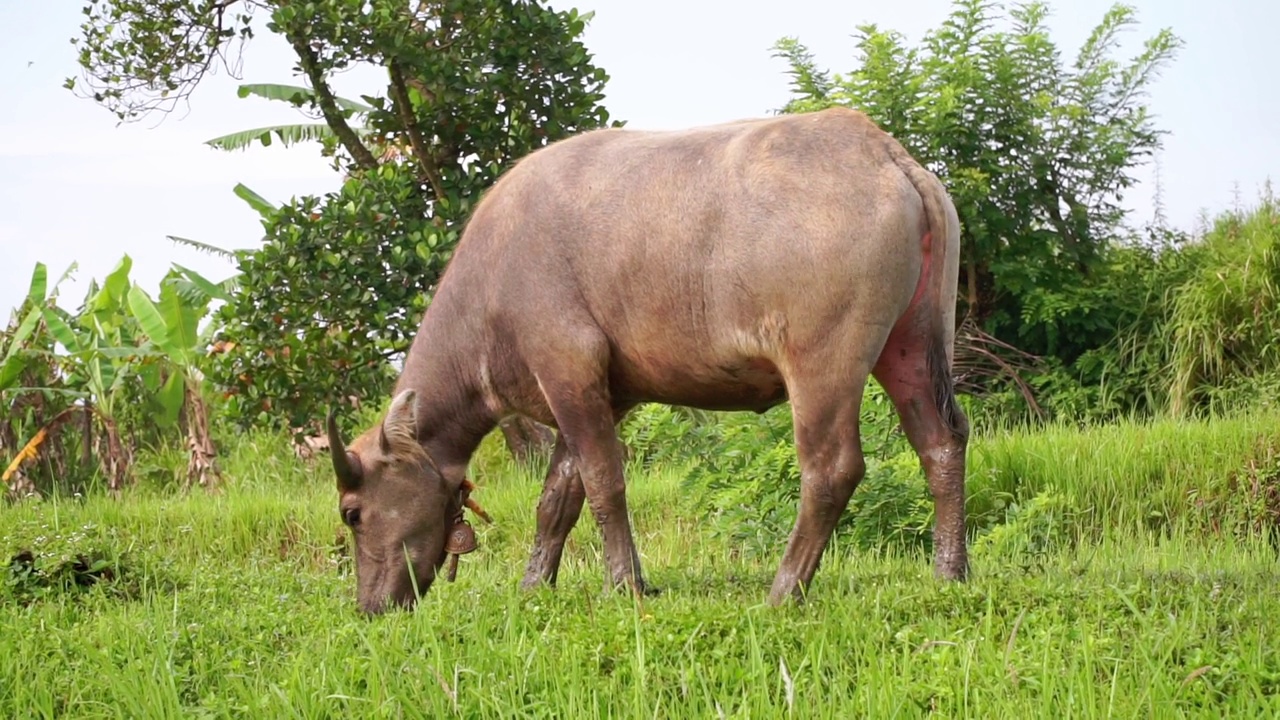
{"type": "Point", "coordinates": [1036, 153]}
{"type": "Point", "coordinates": [339, 285]}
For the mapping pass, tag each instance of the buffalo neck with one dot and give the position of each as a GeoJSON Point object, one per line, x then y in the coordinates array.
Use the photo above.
{"type": "Point", "coordinates": [452, 416]}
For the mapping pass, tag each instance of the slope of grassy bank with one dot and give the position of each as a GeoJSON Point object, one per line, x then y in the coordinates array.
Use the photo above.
{"type": "Point", "coordinates": [242, 604]}
{"type": "Point", "coordinates": [1219, 476]}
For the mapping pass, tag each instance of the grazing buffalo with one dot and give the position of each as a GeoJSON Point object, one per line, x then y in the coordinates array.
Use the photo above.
{"type": "Point", "coordinates": [729, 267]}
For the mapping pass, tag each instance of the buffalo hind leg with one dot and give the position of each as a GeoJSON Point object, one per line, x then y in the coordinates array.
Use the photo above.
{"type": "Point", "coordinates": [558, 512]}
{"type": "Point", "coordinates": [824, 411]}
{"type": "Point", "coordinates": [914, 372]}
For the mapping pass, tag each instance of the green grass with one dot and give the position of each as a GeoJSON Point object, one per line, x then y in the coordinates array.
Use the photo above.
{"type": "Point", "coordinates": [239, 605]}
{"type": "Point", "coordinates": [1168, 475]}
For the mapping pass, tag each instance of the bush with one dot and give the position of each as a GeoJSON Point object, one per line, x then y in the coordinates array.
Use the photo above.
{"type": "Point", "coordinates": [741, 470]}
{"type": "Point", "coordinates": [656, 434]}
{"type": "Point", "coordinates": [1196, 321]}
{"type": "Point", "coordinates": [1191, 321]}
{"type": "Point", "coordinates": [1031, 532]}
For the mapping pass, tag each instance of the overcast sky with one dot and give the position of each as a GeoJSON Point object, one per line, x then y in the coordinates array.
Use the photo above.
{"type": "Point", "coordinates": [74, 186]}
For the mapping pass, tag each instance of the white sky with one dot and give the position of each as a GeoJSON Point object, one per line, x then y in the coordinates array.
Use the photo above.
{"type": "Point", "coordinates": [75, 186]}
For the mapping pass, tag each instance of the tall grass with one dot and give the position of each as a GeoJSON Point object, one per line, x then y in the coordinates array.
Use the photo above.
{"type": "Point", "coordinates": [1217, 474]}
{"type": "Point", "coordinates": [1225, 321]}
{"type": "Point", "coordinates": [1166, 475]}
{"type": "Point", "coordinates": [241, 604]}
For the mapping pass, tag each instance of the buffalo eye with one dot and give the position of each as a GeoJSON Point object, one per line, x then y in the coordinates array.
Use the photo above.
{"type": "Point", "coordinates": [351, 516]}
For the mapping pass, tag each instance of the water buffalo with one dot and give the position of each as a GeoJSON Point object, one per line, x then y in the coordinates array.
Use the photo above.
{"type": "Point", "coordinates": [728, 267]}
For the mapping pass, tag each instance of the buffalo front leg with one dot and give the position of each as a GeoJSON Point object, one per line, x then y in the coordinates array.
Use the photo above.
{"type": "Point", "coordinates": [578, 396]}
{"type": "Point", "coordinates": [598, 455]}
{"type": "Point", "coordinates": [829, 452]}
{"type": "Point", "coordinates": [914, 373]}
{"type": "Point", "coordinates": [558, 512]}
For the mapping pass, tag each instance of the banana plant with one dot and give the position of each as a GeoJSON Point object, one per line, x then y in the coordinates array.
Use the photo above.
{"type": "Point", "coordinates": [293, 133]}
{"type": "Point", "coordinates": [16, 351]}
{"type": "Point", "coordinates": [19, 347]}
{"type": "Point", "coordinates": [13, 359]}
{"type": "Point", "coordinates": [172, 329]}
{"type": "Point", "coordinates": [102, 357]}
{"type": "Point", "coordinates": [88, 372]}
{"type": "Point", "coordinates": [122, 354]}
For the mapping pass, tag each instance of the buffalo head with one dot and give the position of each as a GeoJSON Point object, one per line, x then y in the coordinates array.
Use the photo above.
{"type": "Point", "coordinates": [400, 509]}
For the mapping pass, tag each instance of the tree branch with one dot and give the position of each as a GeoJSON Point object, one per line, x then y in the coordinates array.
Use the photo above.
{"type": "Point", "coordinates": [426, 162]}
{"type": "Point", "coordinates": [134, 61]}
{"type": "Point", "coordinates": [971, 280]}
{"type": "Point", "coordinates": [1052, 187]}
{"type": "Point", "coordinates": [329, 105]}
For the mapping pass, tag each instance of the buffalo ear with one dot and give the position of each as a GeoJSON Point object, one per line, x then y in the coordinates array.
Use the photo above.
{"type": "Point", "coordinates": [400, 426]}
{"type": "Point", "coordinates": [346, 465]}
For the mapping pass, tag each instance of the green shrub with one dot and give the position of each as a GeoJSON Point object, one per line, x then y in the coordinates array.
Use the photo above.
{"type": "Point", "coordinates": [741, 470]}
{"type": "Point", "coordinates": [1192, 324]}
{"type": "Point", "coordinates": [1032, 531]}
{"type": "Point", "coordinates": [1195, 327]}
{"type": "Point", "coordinates": [656, 434]}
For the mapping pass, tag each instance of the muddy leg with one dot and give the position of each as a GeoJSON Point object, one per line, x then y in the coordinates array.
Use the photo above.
{"type": "Point", "coordinates": [558, 511]}
{"type": "Point", "coordinates": [914, 374]}
{"type": "Point", "coordinates": [598, 455]}
{"type": "Point", "coordinates": [829, 451]}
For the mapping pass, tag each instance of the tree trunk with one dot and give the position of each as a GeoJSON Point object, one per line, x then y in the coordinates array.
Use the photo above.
{"type": "Point", "coordinates": [202, 463]}
{"type": "Point", "coordinates": [333, 116]}
{"type": "Point", "coordinates": [86, 453]}
{"type": "Point", "coordinates": [525, 438]}
{"type": "Point", "coordinates": [426, 162]}
{"type": "Point", "coordinates": [971, 276]}
{"type": "Point", "coordinates": [118, 458]}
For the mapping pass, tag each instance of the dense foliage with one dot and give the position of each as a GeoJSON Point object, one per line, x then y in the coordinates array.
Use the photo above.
{"type": "Point", "coordinates": [472, 87]}
{"type": "Point", "coordinates": [122, 371]}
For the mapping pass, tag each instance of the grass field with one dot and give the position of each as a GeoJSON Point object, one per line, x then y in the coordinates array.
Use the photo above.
{"type": "Point", "coordinates": [240, 605]}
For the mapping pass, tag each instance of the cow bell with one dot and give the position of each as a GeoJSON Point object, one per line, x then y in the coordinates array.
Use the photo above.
{"type": "Point", "coordinates": [462, 539]}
